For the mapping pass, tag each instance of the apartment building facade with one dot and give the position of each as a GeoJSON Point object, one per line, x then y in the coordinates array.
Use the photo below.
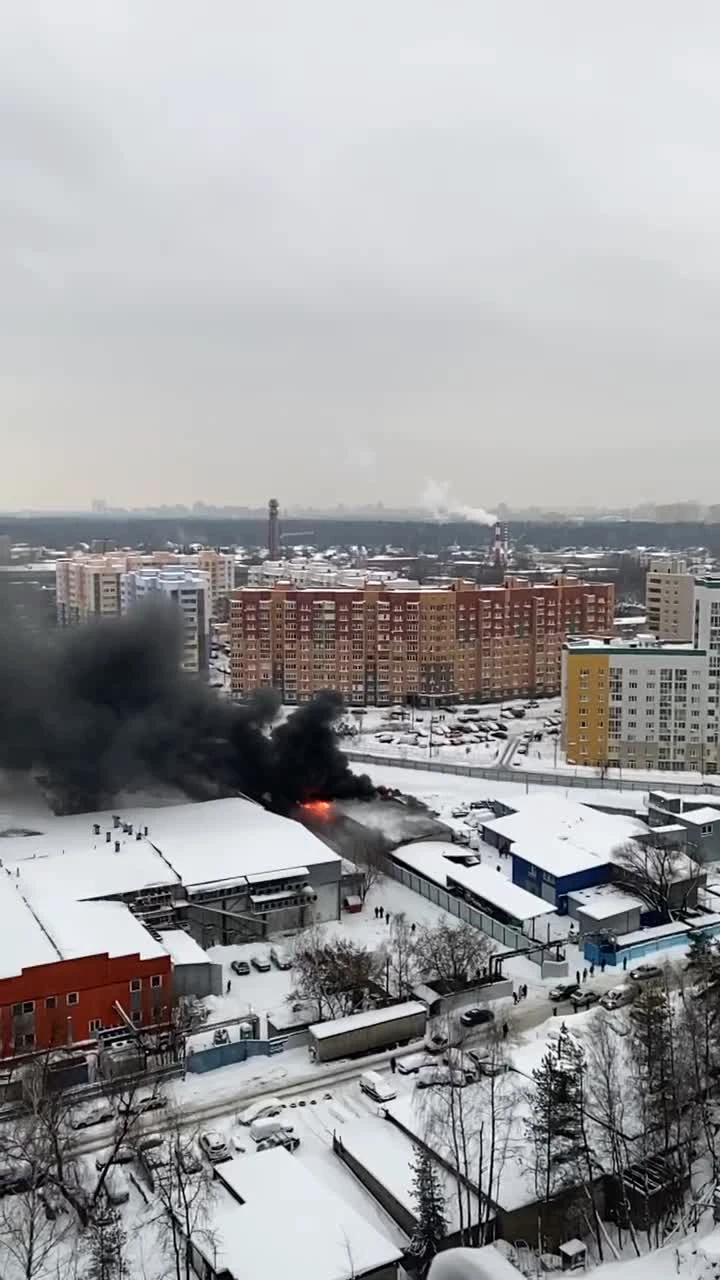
{"type": "Point", "coordinates": [638, 705]}
{"type": "Point", "coordinates": [669, 599]}
{"type": "Point", "coordinates": [400, 642]}
{"type": "Point", "coordinates": [189, 591]}
{"type": "Point", "coordinates": [88, 586]}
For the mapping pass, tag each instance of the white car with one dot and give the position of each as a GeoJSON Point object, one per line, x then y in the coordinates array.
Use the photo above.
{"type": "Point", "coordinates": [261, 1110]}
{"type": "Point", "coordinates": [214, 1146]}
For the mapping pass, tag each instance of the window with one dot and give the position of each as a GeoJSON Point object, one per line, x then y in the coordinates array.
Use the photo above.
{"type": "Point", "coordinates": [156, 980]}
{"type": "Point", "coordinates": [72, 997]}
{"type": "Point", "coordinates": [136, 984]}
{"type": "Point", "coordinates": [136, 1016]}
{"type": "Point", "coordinates": [27, 1006]}
{"type": "Point", "coordinates": [51, 1002]}
{"type": "Point", "coordinates": [95, 1024]}
{"type": "Point", "coordinates": [27, 1041]}
{"type": "Point", "coordinates": [706, 829]}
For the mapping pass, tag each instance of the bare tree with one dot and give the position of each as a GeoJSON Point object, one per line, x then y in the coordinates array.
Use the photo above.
{"type": "Point", "coordinates": [368, 849]}
{"type": "Point", "coordinates": [335, 974]}
{"type": "Point", "coordinates": [453, 953]}
{"type": "Point", "coordinates": [608, 1099]}
{"type": "Point", "coordinates": [403, 954]}
{"type": "Point", "coordinates": [184, 1188]}
{"type": "Point", "coordinates": [666, 880]}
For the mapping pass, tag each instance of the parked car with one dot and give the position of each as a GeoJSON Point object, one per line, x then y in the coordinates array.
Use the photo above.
{"type": "Point", "coordinates": [583, 999]}
{"type": "Point", "coordinates": [240, 967]}
{"type": "Point", "coordinates": [411, 1064]}
{"type": "Point", "coordinates": [214, 1146]}
{"type": "Point", "coordinates": [490, 1066]}
{"type": "Point", "coordinates": [125, 1154]}
{"type": "Point", "coordinates": [117, 1188]}
{"type": "Point", "coordinates": [439, 1076]}
{"type": "Point", "coordinates": [476, 1017]}
{"type": "Point", "coordinates": [96, 1115]}
{"type": "Point", "coordinates": [646, 973]}
{"type": "Point", "coordinates": [188, 1160]}
{"type": "Point", "coordinates": [221, 1035]}
{"type": "Point", "coordinates": [261, 963]}
{"type": "Point", "coordinates": [281, 957]}
{"type": "Point", "coordinates": [287, 1140]}
{"type": "Point", "coordinates": [149, 1141]}
{"type": "Point", "coordinates": [373, 1084]}
{"type": "Point", "coordinates": [618, 997]}
{"type": "Point", "coordinates": [564, 991]}
{"type": "Point", "coordinates": [260, 1109]}
{"type": "Point", "coordinates": [436, 1042]}
{"type": "Point", "coordinates": [140, 1106]}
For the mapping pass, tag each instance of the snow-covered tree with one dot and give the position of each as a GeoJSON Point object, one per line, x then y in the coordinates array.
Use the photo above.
{"type": "Point", "coordinates": [430, 1204]}
{"type": "Point", "coordinates": [106, 1245]}
{"type": "Point", "coordinates": [555, 1126]}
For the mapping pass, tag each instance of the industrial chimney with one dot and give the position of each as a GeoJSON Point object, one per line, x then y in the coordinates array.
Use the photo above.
{"type": "Point", "coordinates": [273, 530]}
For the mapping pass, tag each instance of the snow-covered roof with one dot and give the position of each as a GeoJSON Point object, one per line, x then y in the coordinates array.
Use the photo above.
{"type": "Point", "coordinates": [561, 836]}
{"type": "Point", "coordinates": [698, 817]}
{"type": "Point", "coordinates": [325, 1240]}
{"type": "Point", "coordinates": [225, 839]}
{"type": "Point", "coordinates": [183, 949]}
{"type": "Point", "coordinates": [94, 929]}
{"type": "Point", "coordinates": [23, 943]}
{"type": "Point", "coordinates": [95, 871]}
{"type": "Point", "coordinates": [486, 1263]}
{"type": "Point", "coordinates": [605, 901]}
{"type": "Point", "coordinates": [388, 1153]}
{"type": "Point", "coordinates": [431, 859]}
{"type": "Point", "coordinates": [369, 1018]}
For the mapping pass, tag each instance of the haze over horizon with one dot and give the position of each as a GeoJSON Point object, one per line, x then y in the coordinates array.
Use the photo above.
{"type": "Point", "coordinates": [344, 253]}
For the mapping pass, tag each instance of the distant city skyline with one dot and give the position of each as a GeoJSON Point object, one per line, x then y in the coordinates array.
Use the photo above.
{"type": "Point", "coordinates": [359, 255]}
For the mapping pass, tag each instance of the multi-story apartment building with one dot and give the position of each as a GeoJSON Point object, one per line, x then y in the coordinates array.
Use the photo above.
{"type": "Point", "coordinates": [189, 591]}
{"type": "Point", "coordinates": [669, 599]}
{"type": "Point", "coordinates": [638, 704]}
{"type": "Point", "coordinates": [88, 586]}
{"type": "Point", "coordinates": [391, 643]}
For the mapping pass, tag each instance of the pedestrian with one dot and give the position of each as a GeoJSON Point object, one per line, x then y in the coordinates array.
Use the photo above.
{"type": "Point", "coordinates": [393, 1064]}
{"type": "Point", "coordinates": [525, 991]}
{"type": "Point", "coordinates": [592, 970]}
{"type": "Point", "coordinates": [382, 912]}
{"type": "Point", "coordinates": [387, 916]}
{"type": "Point", "coordinates": [584, 975]}
{"type": "Point", "coordinates": [376, 913]}
{"type": "Point", "coordinates": [624, 962]}
{"type": "Point", "coordinates": [229, 984]}
{"type": "Point", "coordinates": [505, 1029]}
{"type": "Point", "coordinates": [515, 997]}
{"type": "Point", "coordinates": [554, 1011]}
{"type": "Point", "coordinates": [577, 976]}
{"type": "Point", "coordinates": [602, 966]}
{"type": "Point", "coordinates": [412, 927]}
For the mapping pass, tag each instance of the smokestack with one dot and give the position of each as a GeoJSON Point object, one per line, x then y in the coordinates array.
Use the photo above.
{"type": "Point", "coordinates": [273, 530]}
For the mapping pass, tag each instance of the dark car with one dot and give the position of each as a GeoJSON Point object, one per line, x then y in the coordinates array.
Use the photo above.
{"type": "Point", "coordinates": [564, 991]}
{"type": "Point", "coordinates": [240, 967]}
{"type": "Point", "coordinates": [476, 1017]}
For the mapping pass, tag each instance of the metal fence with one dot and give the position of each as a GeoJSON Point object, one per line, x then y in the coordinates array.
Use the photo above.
{"type": "Point", "coordinates": [503, 933]}
{"type": "Point", "coordinates": [223, 1055]}
{"type": "Point", "coordinates": [614, 781]}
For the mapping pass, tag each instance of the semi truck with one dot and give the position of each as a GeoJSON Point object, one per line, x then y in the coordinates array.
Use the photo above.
{"type": "Point", "coordinates": [368, 1032]}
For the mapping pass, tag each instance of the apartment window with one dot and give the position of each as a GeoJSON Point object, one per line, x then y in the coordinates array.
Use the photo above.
{"type": "Point", "coordinates": [27, 1041]}
{"type": "Point", "coordinates": [72, 997]}
{"type": "Point", "coordinates": [706, 829]}
{"type": "Point", "coordinates": [27, 1006]}
{"type": "Point", "coordinates": [136, 984]}
{"type": "Point", "coordinates": [156, 980]}
{"type": "Point", "coordinates": [51, 1002]}
{"type": "Point", "coordinates": [136, 1016]}
{"type": "Point", "coordinates": [95, 1024]}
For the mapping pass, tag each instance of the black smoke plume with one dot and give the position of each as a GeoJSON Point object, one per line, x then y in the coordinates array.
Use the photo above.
{"type": "Point", "coordinates": [104, 708]}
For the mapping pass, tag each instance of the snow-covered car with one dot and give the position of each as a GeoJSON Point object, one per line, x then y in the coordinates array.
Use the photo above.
{"type": "Point", "coordinates": [96, 1115]}
{"type": "Point", "coordinates": [154, 1102]}
{"type": "Point", "coordinates": [618, 997]}
{"type": "Point", "coordinates": [413, 1063]}
{"type": "Point", "coordinates": [583, 999]}
{"type": "Point", "coordinates": [124, 1154]}
{"type": "Point", "coordinates": [646, 973]}
{"type": "Point", "coordinates": [281, 957]}
{"type": "Point", "coordinates": [260, 1110]}
{"type": "Point", "coordinates": [439, 1076]}
{"type": "Point", "coordinates": [261, 963]}
{"type": "Point", "coordinates": [214, 1146]}
{"type": "Point", "coordinates": [460, 811]}
{"type": "Point", "coordinates": [287, 1140]}
{"type": "Point", "coordinates": [240, 967]}
{"type": "Point", "coordinates": [188, 1160]}
{"type": "Point", "coordinates": [117, 1187]}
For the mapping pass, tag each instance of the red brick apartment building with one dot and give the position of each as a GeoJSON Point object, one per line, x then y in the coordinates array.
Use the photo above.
{"type": "Point", "coordinates": [381, 645]}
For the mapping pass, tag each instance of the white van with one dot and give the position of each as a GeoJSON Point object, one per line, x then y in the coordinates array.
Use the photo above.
{"type": "Point", "coordinates": [260, 1109]}
{"type": "Point", "coordinates": [618, 997]}
{"type": "Point", "coordinates": [376, 1088]}
{"type": "Point", "coordinates": [268, 1128]}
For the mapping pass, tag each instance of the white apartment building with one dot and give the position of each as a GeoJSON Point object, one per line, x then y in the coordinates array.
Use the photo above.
{"type": "Point", "coordinates": [669, 589]}
{"type": "Point", "coordinates": [189, 590]}
{"type": "Point", "coordinates": [317, 573]}
{"type": "Point", "coordinates": [88, 586]}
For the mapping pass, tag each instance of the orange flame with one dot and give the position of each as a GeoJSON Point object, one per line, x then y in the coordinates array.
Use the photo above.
{"type": "Point", "coordinates": [320, 808]}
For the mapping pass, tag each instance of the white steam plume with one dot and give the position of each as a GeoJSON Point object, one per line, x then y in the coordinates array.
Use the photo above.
{"type": "Point", "coordinates": [438, 500]}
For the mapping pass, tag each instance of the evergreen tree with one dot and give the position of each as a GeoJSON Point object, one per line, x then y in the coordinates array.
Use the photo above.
{"type": "Point", "coordinates": [107, 1246]}
{"type": "Point", "coordinates": [556, 1124]}
{"type": "Point", "coordinates": [431, 1220]}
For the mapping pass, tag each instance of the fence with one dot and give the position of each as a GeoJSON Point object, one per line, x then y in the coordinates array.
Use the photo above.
{"type": "Point", "coordinates": [503, 933]}
{"type": "Point", "coordinates": [223, 1055]}
{"type": "Point", "coordinates": [614, 780]}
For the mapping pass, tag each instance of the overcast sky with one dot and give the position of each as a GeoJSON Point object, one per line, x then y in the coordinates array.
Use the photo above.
{"type": "Point", "coordinates": [337, 250]}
